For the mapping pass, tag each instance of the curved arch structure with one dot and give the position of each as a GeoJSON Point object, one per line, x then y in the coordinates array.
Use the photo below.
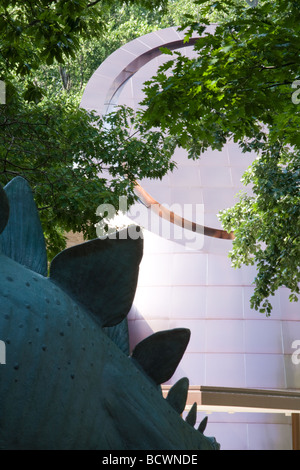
{"type": "Point", "coordinates": [104, 87]}
{"type": "Point", "coordinates": [136, 64]}
{"type": "Point", "coordinates": [131, 64]}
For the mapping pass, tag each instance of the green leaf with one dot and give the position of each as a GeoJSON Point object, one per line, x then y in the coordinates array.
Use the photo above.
{"type": "Point", "coordinates": [165, 50]}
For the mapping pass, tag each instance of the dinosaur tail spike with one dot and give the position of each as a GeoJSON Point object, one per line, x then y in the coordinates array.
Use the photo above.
{"type": "Point", "coordinates": [89, 273]}
{"type": "Point", "coordinates": [159, 354]}
{"type": "Point", "coordinates": [192, 415]}
{"type": "Point", "coordinates": [202, 425]}
{"type": "Point", "coordinates": [4, 210]}
{"type": "Point", "coordinates": [177, 395]}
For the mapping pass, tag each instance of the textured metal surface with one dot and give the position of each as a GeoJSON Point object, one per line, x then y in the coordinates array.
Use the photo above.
{"type": "Point", "coordinates": [66, 384]}
{"type": "Point", "coordinates": [4, 213]}
{"type": "Point", "coordinates": [23, 238]}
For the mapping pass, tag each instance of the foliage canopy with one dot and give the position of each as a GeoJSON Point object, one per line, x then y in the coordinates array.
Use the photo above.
{"type": "Point", "coordinates": [244, 86]}
{"type": "Point", "coordinates": [48, 51]}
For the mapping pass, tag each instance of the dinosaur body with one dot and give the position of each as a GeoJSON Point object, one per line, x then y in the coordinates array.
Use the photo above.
{"type": "Point", "coordinates": [66, 384]}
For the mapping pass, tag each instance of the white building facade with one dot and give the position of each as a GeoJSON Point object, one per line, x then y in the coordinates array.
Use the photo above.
{"type": "Point", "coordinates": [186, 279]}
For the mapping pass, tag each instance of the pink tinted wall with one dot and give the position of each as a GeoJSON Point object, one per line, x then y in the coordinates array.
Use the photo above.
{"type": "Point", "coordinates": [189, 282]}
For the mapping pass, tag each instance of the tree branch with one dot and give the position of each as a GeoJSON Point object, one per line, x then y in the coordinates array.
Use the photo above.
{"type": "Point", "coordinates": [272, 67]}
{"type": "Point", "coordinates": [93, 3]}
{"type": "Point", "coordinates": [278, 84]}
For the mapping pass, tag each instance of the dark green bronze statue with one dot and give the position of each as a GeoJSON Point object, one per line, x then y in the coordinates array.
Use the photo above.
{"type": "Point", "coordinates": [68, 381]}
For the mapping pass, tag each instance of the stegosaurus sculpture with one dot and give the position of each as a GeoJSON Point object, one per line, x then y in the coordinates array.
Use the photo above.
{"type": "Point", "coordinates": [66, 383]}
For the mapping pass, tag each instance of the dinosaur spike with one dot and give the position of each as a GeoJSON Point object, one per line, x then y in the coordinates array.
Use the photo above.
{"type": "Point", "coordinates": [23, 239]}
{"type": "Point", "coordinates": [202, 425]}
{"type": "Point", "coordinates": [89, 273]}
{"type": "Point", "coordinates": [192, 415]}
{"type": "Point", "coordinates": [177, 395]}
{"type": "Point", "coordinates": [159, 354]}
{"type": "Point", "coordinates": [4, 210]}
